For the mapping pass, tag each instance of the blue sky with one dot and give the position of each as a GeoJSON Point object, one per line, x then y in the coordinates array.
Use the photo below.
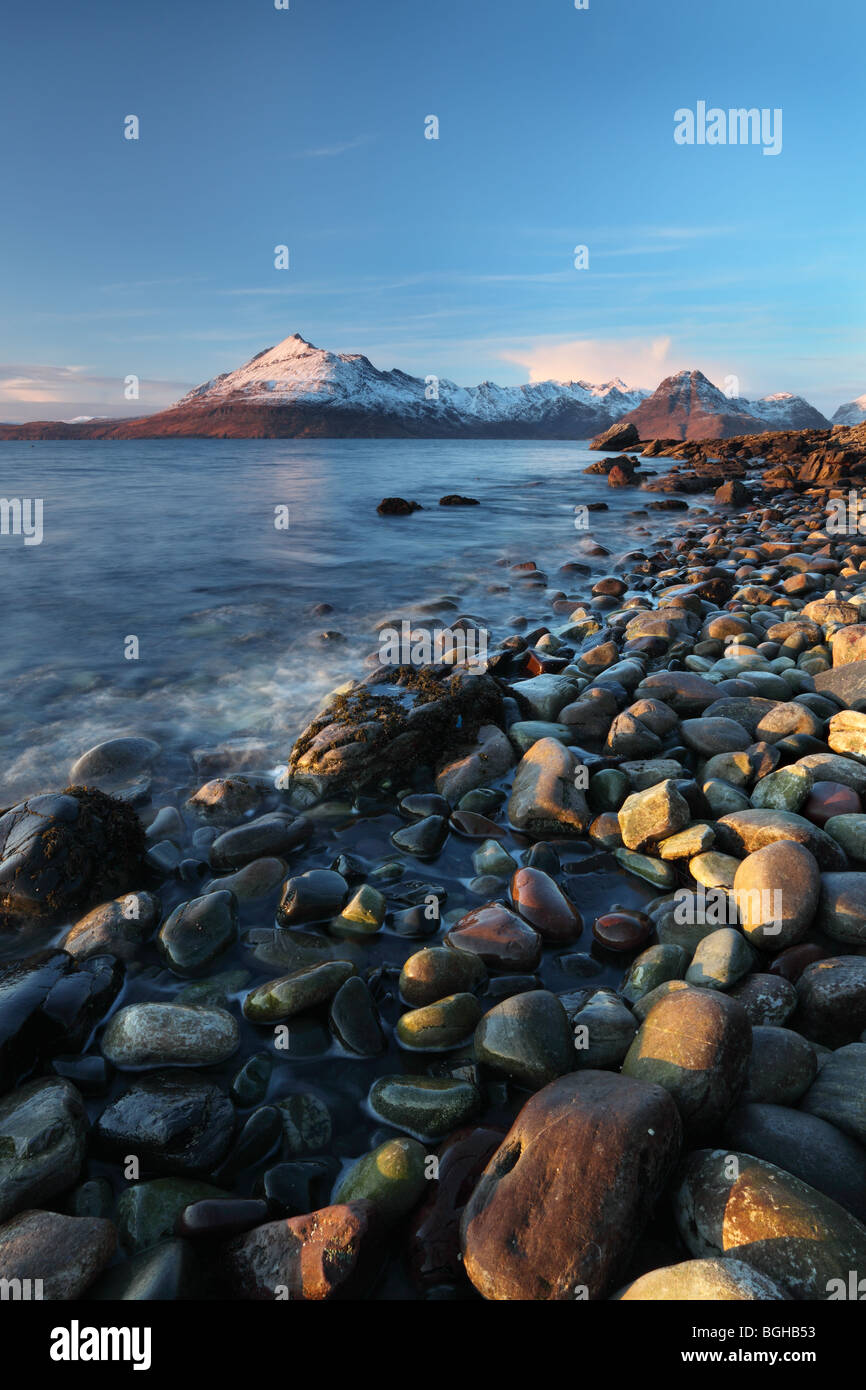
{"type": "Point", "coordinates": [453, 256]}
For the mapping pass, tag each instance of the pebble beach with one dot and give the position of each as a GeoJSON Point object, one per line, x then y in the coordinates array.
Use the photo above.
{"type": "Point", "coordinates": [536, 978]}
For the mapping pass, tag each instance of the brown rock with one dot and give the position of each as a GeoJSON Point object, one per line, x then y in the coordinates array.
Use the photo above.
{"type": "Point", "coordinates": [542, 903]}
{"type": "Point", "coordinates": [309, 1258]}
{"type": "Point", "coordinates": [498, 937]}
{"type": "Point", "coordinates": [776, 891]}
{"type": "Point", "coordinates": [65, 1252]}
{"type": "Point", "coordinates": [563, 1201]}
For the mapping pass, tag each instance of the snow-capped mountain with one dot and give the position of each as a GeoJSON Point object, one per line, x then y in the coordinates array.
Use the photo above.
{"type": "Point", "coordinates": [688, 406]}
{"type": "Point", "coordinates": [295, 390]}
{"type": "Point", "coordinates": [853, 413]}
{"type": "Point", "coordinates": [299, 376]}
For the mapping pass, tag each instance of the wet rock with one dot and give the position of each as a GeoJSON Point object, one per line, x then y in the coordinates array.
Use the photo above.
{"type": "Point", "coordinates": [327, 1254]}
{"type": "Point", "coordinates": [148, 1211]}
{"type": "Point", "coordinates": [646, 867]}
{"type": "Point", "coordinates": [392, 1177]}
{"type": "Point", "coordinates": [156, 1035]}
{"type": "Point", "coordinates": [363, 915]}
{"type": "Point", "coordinates": [296, 993]}
{"type": "Point", "coordinates": [542, 903]}
{"type": "Point", "coordinates": [694, 1281]}
{"type": "Point", "coordinates": [250, 1085]}
{"type": "Point", "coordinates": [622, 931]}
{"type": "Point", "coordinates": [115, 764]}
{"type": "Point", "coordinates": [696, 1044]}
{"type": "Point", "coordinates": [50, 1004]}
{"type": "Point", "coordinates": [312, 897]}
{"type": "Point", "coordinates": [563, 1201]}
{"type": "Point", "coordinates": [397, 506]}
{"type": "Point", "coordinates": [291, 1189]}
{"type": "Point", "coordinates": [174, 1122]}
{"type": "Point", "coordinates": [197, 932]}
{"type": "Point", "coordinates": [435, 972]}
{"type": "Point", "coordinates": [776, 891]}
{"type": "Point", "coordinates": [166, 1273]}
{"type": "Point", "coordinates": [269, 836]}
{"type": "Point", "coordinates": [648, 816]}
{"type": "Point", "coordinates": [838, 1093]}
{"type": "Point", "coordinates": [492, 861]}
{"type": "Point", "coordinates": [226, 800]}
{"type": "Point", "coordinates": [439, 1026]}
{"type": "Point", "coordinates": [61, 853]}
{"type": "Point", "coordinates": [527, 1038]}
{"type": "Point", "coordinates": [500, 939]}
{"type": "Point", "coordinates": [354, 1021]}
{"type": "Point", "coordinates": [115, 928]}
{"type": "Point", "coordinates": [307, 1124]}
{"type": "Point", "coordinates": [402, 717]}
{"type": "Point", "coordinates": [63, 1254]}
{"type": "Point", "coordinates": [783, 1228]}
{"type": "Point", "coordinates": [423, 838]}
{"type": "Point", "coordinates": [255, 880]}
{"type": "Point", "coordinates": [43, 1137]}
{"type": "Point", "coordinates": [426, 1107]}
{"type": "Point", "coordinates": [488, 759]}
{"type": "Point", "coordinates": [808, 1147]}
{"type": "Point", "coordinates": [545, 799]}
{"type": "Point", "coordinates": [434, 1238]}
{"type": "Point", "coordinates": [832, 1000]}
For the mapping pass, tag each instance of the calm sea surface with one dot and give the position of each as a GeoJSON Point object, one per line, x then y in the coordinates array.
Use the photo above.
{"type": "Point", "coordinates": [174, 543]}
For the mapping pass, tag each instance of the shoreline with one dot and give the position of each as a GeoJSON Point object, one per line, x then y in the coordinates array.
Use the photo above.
{"type": "Point", "coordinates": [480, 954]}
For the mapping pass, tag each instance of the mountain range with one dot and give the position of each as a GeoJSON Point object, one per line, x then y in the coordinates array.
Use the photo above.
{"type": "Point", "coordinates": [297, 390]}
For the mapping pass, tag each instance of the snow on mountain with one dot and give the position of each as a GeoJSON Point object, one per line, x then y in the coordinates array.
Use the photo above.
{"type": "Point", "coordinates": [853, 413]}
{"type": "Point", "coordinates": [295, 373]}
{"type": "Point", "coordinates": [688, 405]}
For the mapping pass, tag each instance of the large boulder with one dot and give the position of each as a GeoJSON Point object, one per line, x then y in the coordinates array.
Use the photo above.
{"type": "Point", "coordinates": [623, 434]}
{"type": "Point", "coordinates": [62, 853]}
{"type": "Point", "coordinates": [563, 1201]}
{"type": "Point", "coordinates": [389, 724]}
{"type": "Point", "coordinates": [734, 1205]}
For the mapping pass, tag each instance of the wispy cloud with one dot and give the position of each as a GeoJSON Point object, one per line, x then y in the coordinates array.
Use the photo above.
{"type": "Point", "coordinates": [39, 392]}
{"type": "Point", "coordinates": [331, 151]}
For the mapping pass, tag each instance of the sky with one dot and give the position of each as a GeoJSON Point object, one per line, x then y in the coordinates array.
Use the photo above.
{"type": "Point", "coordinates": [305, 127]}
